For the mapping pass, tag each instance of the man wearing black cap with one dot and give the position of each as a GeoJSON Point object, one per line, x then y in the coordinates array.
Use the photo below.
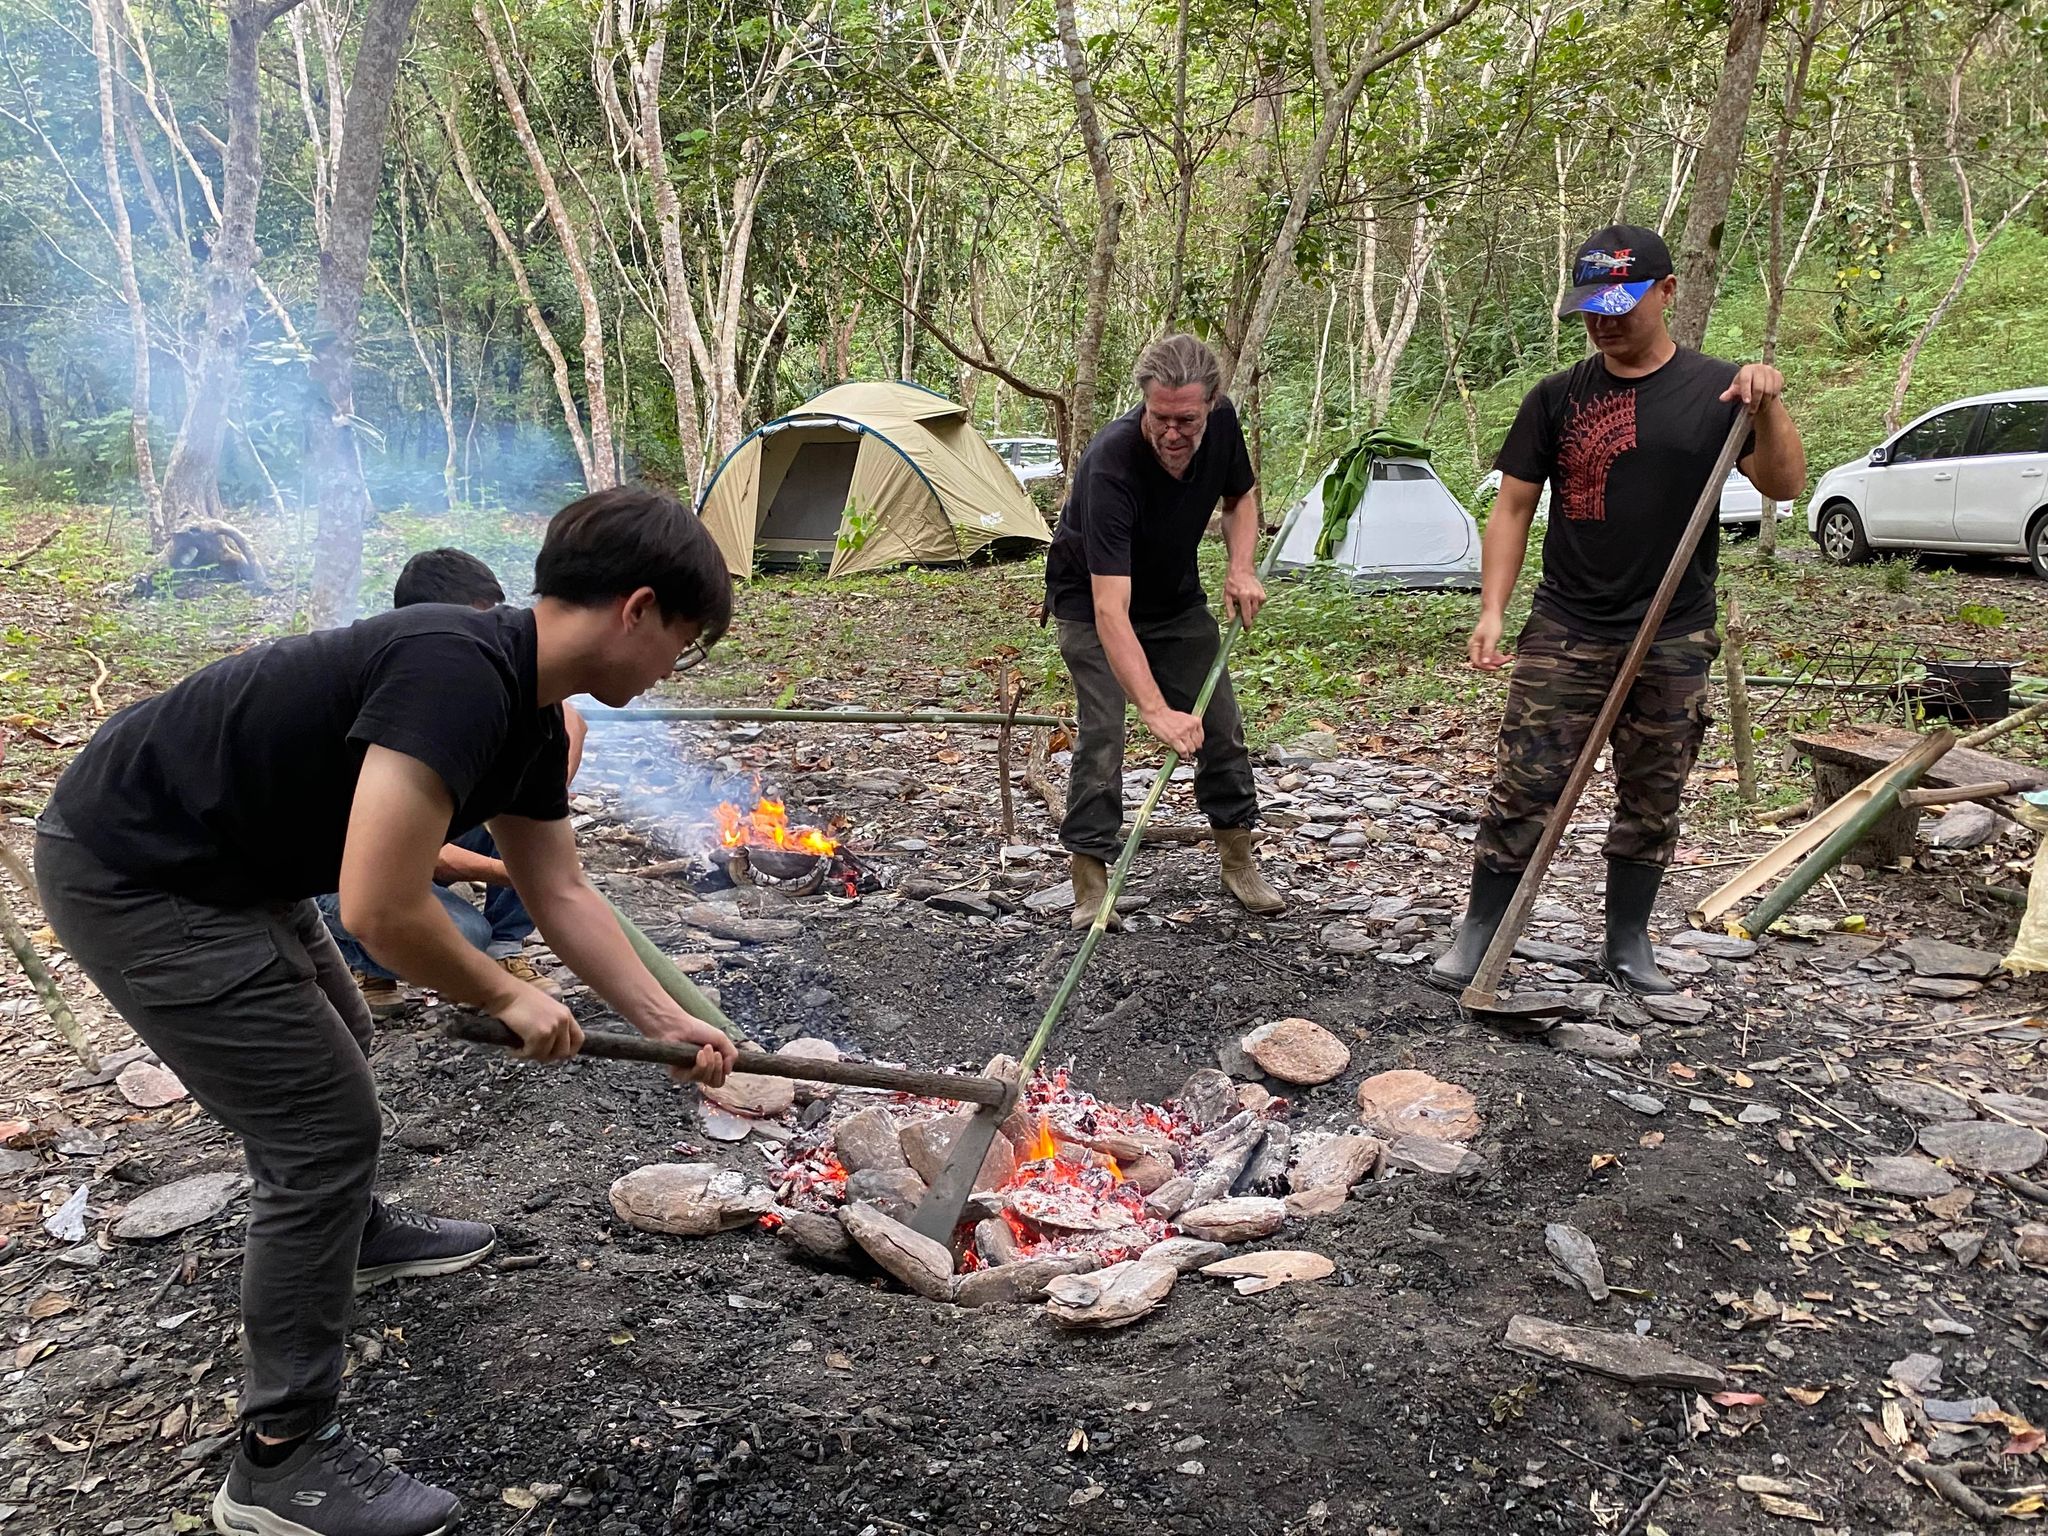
{"type": "Point", "coordinates": [1626, 439]}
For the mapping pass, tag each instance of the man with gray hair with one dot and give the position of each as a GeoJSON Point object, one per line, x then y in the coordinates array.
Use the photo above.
{"type": "Point", "coordinates": [1134, 622]}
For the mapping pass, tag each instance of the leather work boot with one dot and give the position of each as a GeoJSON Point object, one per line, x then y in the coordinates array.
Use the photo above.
{"type": "Point", "coordinates": [1091, 882]}
{"type": "Point", "coordinates": [525, 970]}
{"type": "Point", "coordinates": [1492, 890]}
{"type": "Point", "coordinates": [1631, 893]}
{"type": "Point", "coordinates": [1241, 875]}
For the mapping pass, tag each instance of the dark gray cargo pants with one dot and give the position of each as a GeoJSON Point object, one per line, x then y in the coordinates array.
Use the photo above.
{"type": "Point", "coordinates": [1179, 651]}
{"type": "Point", "coordinates": [254, 1010]}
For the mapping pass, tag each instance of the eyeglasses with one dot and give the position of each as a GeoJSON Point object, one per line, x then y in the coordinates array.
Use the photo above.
{"type": "Point", "coordinates": [696, 653]}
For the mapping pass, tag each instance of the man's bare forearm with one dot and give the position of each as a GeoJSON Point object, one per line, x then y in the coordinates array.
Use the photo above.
{"type": "Point", "coordinates": [1241, 531]}
{"type": "Point", "coordinates": [1777, 464]}
{"type": "Point", "coordinates": [455, 863]}
{"type": "Point", "coordinates": [1501, 554]}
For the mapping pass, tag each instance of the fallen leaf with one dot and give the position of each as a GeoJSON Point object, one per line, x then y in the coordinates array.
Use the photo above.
{"type": "Point", "coordinates": [1602, 1160]}
{"type": "Point", "coordinates": [519, 1498]}
{"type": "Point", "coordinates": [1650, 1139]}
{"type": "Point", "coordinates": [1753, 1482]}
{"type": "Point", "coordinates": [1682, 1072]}
{"type": "Point", "coordinates": [1742, 1080]}
{"type": "Point", "coordinates": [49, 1304]}
{"type": "Point", "coordinates": [2025, 1443]}
{"type": "Point", "coordinates": [1077, 1442]}
{"type": "Point", "coordinates": [1806, 1395]}
{"type": "Point", "coordinates": [1738, 1399]}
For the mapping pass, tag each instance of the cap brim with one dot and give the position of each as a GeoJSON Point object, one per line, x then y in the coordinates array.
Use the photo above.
{"type": "Point", "coordinates": [1604, 298]}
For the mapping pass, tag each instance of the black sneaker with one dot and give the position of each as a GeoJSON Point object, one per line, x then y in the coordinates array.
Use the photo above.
{"type": "Point", "coordinates": [397, 1243]}
{"type": "Point", "coordinates": [331, 1485]}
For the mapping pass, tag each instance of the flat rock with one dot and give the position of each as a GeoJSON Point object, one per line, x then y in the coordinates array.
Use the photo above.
{"type": "Point", "coordinates": [815, 1236]}
{"type": "Point", "coordinates": [1184, 1253]}
{"type": "Point", "coordinates": [1722, 946]}
{"type": "Point", "coordinates": [1594, 1040]}
{"type": "Point", "coordinates": [1426, 1154]}
{"type": "Point", "coordinates": [1405, 1103]}
{"type": "Point", "coordinates": [1546, 953]}
{"type": "Point", "coordinates": [963, 904]}
{"type": "Point", "coordinates": [148, 1086]}
{"type": "Point", "coordinates": [1682, 962]}
{"type": "Point", "coordinates": [744, 1093]}
{"type": "Point", "coordinates": [1913, 1177]}
{"type": "Point", "coordinates": [1532, 1003]}
{"type": "Point", "coordinates": [928, 1143]}
{"type": "Point", "coordinates": [1921, 1101]}
{"type": "Point", "coordinates": [1236, 1220]}
{"type": "Point", "coordinates": [1270, 1269]}
{"type": "Point", "coordinates": [1938, 957]}
{"type": "Point", "coordinates": [920, 1263]}
{"type": "Point", "coordinates": [173, 1207]}
{"type": "Point", "coordinates": [1985, 1146]}
{"type": "Point", "coordinates": [1641, 1103]}
{"type": "Point", "coordinates": [1625, 1357]}
{"type": "Point", "coordinates": [720, 1126]}
{"type": "Point", "coordinates": [868, 1138]}
{"type": "Point", "coordinates": [688, 1199]}
{"type": "Point", "coordinates": [1678, 1008]}
{"type": "Point", "coordinates": [1968, 825]}
{"type": "Point", "coordinates": [1917, 1373]}
{"type": "Point", "coordinates": [895, 1192]}
{"type": "Point", "coordinates": [1109, 1298]}
{"type": "Point", "coordinates": [1024, 1280]}
{"type": "Point", "coordinates": [721, 923]}
{"type": "Point", "coordinates": [1209, 1097]}
{"type": "Point", "coordinates": [1349, 939]}
{"type": "Point", "coordinates": [1054, 898]}
{"type": "Point", "coordinates": [1297, 1051]}
{"type": "Point", "coordinates": [2019, 1106]}
{"type": "Point", "coordinates": [1951, 989]}
{"type": "Point", "coordinates": [1326, 1161]}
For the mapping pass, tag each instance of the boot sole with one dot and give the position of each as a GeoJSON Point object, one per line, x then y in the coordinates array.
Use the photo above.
{"type": "Point", "coordinates": [408, 1269]}
{"type": "Point", "coordinates": [232, 1518]}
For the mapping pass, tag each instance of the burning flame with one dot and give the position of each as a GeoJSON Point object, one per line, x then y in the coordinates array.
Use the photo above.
{"type": "Point", "coordinates": [767, 826]}
{"type": "Point", "coordinates": [1043, 1145]}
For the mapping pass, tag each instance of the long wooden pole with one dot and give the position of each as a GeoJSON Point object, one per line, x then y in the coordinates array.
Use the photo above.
{"type": "Point", "coordinates": [54, 1002]}
{"type": "Point", "coordinates": [478, 1030]}
{"type": "Point", "coordinates": [1484, 990]}
{"type": "Point", "coordinates": [1741, 735]}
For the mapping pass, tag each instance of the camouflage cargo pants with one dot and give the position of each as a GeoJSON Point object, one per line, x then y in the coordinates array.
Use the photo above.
{"type": "Point", "coordinates": [1560, 681]}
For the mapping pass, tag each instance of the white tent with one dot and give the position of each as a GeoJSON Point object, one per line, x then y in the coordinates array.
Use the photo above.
{"type": "Point", "coordinates": [1408, 531]}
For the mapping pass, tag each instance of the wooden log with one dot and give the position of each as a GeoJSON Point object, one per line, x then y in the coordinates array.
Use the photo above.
{"type": "Point", "coordinates": [1010, 702]}
{"type": "Point", "coordinates": [1961, 794]}
{"type": "Point", "coordinates": [478, 1030]}
{"type": "Point", "coordinates": [1183, 835]}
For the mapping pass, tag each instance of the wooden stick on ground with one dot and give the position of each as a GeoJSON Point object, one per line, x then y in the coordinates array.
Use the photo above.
{"type": "Point", "coordinates": [54, 1002]}
{"type": "Point", "coordinates": [2011, 722]}
{"type": "Point", "coordinates": [1035, 779]}
{"type": "Point", "coordinates": [1741, 738]}
{"type": "Point", "coordinates": [1483, 993]}
{"type": "Point", "coordinates": [1010, 703]}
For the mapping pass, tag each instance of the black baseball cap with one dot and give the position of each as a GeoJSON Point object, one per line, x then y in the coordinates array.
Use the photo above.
{"type": "Point", "coordinates": [1614, 269]}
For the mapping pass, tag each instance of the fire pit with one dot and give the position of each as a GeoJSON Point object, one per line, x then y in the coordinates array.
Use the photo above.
{"type": "Point", "coordinates": [759, 846]}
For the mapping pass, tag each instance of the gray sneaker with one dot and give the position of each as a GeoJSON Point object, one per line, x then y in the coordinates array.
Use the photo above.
{"type": "Point", "coordinates": [332, 1485]}
{"type": "Point", "coordinates": [398, 1243]}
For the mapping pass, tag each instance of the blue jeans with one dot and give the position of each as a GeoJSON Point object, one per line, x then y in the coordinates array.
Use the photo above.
{"type": "Point", "coordinates": [500, 929]}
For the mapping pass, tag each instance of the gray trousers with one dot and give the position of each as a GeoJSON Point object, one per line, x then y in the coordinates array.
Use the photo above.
{"type": "Point", "coordinates": [1179, 650]}
{"type": "Point", "coordinates": [254, 1010]}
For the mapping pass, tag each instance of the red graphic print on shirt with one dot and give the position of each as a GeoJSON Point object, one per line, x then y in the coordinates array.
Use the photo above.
{"type": "Point", "coordinates": [1598, 432]}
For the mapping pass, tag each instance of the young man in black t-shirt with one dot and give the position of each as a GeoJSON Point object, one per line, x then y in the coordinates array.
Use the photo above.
{"type": "Point", "coordinates": [178, 860]}
{"type": "Point", "coordinates": [1626, 439]}
{"type": "Point", "coordinates": [1134, 623]}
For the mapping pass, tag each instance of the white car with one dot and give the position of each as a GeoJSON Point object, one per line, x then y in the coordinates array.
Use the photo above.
{"type": "Point", "coordinates": [1969, 478]}
{"type": "Point", "coordinates": [1029, 458]}
{"type": "Point", "coordinates": [1741, 504]}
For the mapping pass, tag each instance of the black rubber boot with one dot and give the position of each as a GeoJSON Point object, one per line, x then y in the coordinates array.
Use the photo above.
{"type": "Point", "coordinates": [1631, 893]}
{"type": "Point", "coordinates": [1491, 893]}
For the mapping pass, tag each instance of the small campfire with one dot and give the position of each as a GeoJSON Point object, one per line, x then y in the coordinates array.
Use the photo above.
{"type": "Point", "coordinates": [760, 846]}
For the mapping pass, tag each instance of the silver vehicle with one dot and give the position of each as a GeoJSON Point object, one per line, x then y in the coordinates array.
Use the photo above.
{"type": "Point", "coordinates": [1968, 478]}
{"type": "Point", "coordinates": [1029, 458]}
{"type": "Point", "coordinates": [1742, 506]}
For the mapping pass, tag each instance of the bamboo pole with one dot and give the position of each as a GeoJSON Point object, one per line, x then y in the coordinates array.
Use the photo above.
{"type": "Point", "coordinates": [671, 980]}
{"type": "Point", "coordinates": [820, 716]}
{"type": "Point", "coordinates": [1999, 728]}
{"type": "Point", "coordinates": [1884, 799]}
{"type": "Point", "coordinates": [54, 1002]}
{"type": "Point", "coordinates": [1740, 733]}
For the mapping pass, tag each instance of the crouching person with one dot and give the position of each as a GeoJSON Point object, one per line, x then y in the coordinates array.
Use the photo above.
{"type": "Point", "coordinates": [501, 925]}
{"type": "Point", "coordinates": [178, 860]}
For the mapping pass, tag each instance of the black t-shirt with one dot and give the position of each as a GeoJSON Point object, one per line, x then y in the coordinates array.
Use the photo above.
{"type": "Point", "coordinates": [1126, 516]}
{"type": "Point", "coordinates": [1626, 460]}
{"type": "Point", "coordinates": [234, 787]}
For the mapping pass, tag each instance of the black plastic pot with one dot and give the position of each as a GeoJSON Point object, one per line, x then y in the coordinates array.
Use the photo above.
{"type": "Point", "coordinates": [1976, 692]}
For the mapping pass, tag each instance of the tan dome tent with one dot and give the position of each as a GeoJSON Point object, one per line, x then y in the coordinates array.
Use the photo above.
{"type": "Point", "coordinates": [867, 476]}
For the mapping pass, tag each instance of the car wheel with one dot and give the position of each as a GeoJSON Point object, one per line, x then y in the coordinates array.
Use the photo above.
{"type": "Point", "coordinates": [1840, 534]}
{"type": "Point", "coordinates": [2037, 545]}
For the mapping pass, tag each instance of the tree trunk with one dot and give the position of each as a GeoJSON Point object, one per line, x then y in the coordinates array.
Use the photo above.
{"type": "Point", "coordinates": [358, 173]}
{"type": "Point", "coordinates": [1775, 274]}
{"type": "Point", "coordinates": [1080, 413]}
{"type": "Point", "coordinates": [1706, 216]}
{"type": "Point", "coordinates": [1337, 105]}
{"type": "Point", "coordinates": [192, 479]}
{"type": "Point", "coordinates": [601, 466]}
{"type": "Point", "coordinates": [131, 289]}
{"type": "Point", "coordinates": [21, 386]}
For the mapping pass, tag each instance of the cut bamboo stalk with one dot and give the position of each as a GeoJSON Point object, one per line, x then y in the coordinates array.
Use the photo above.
{"type": "Point", "coordinates": [1900, 777]}
{"type": "Point", "coordinates": [55, 1004]}
{"type": "Point", "coordinates": [1916, 798]}
{"type": "Point", "coordinates": [679, 987]}
{"type": "Point", "coordinates": [819, 716]}
{"type": "Point", "coordinates": [1484, 989]}
{"type": "Point", "coordinates": [2011, 722]}
{"type": "Point", "coordinates": [1801, 841]}
{"type": "Point", "coordinates": [1740, 736]}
